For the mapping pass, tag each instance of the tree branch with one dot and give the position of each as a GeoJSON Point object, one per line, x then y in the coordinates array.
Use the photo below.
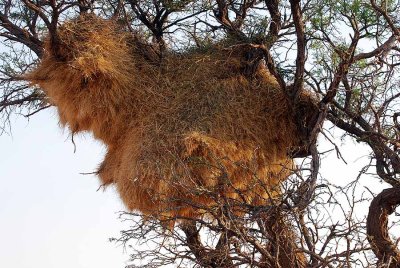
{"type": "Point", "coordinates": [301, 49]}
{"type": "Point", "coordinates": [381, 207]}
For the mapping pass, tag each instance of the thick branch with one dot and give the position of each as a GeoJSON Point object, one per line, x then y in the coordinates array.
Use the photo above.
{"type": "Point", "coordinates": [222, 15]}
{"type": "Point", "coordinates": [386, 46]}
{"type": "Point", "coordinates": [204, 256]}
{"type": "Point", "coordinates": [282, 244]}
{"type": "Point", "coordinates": [276, 24]}
{"type": "Point", "coordinates": [22, 36]}
{"type": "Point", "coordinates": [381, 207]}
{"type": "Point", "coordinates": [301, 48]}
{"type": "Point", "coordinates": [50, 21]}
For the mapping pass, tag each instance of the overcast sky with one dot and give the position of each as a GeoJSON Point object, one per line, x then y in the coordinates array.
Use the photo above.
{"type": "Point", "coordinates": [50, 215]}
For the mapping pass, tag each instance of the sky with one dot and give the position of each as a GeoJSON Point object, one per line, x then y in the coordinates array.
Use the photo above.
{"type": "Point", "coordinates": [50, 214]}
{"type": "Point", "coordinates": [53, 216]}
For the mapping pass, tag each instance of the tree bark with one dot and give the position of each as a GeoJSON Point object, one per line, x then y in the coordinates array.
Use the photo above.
{"type": "Point", "coordinates": [282, 244]}
{"type": "Point", "coordinates": [381, 207]}
{"type": "Point", "coordinates": [217, 258]}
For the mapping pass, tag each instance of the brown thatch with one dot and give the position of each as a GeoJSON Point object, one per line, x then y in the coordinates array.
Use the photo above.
{"type": "Point", "coordinates": [192, 125]}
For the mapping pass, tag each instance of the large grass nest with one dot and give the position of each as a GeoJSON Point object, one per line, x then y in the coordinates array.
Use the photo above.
{"type": "Point", "coordinates": [176, 132]}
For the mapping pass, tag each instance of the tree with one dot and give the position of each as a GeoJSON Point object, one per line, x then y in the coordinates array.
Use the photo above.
{"type": "Point", "coordinates": [324, 47]}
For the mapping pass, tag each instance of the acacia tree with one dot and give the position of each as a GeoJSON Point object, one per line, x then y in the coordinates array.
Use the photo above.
{"type": "Point", "coordinates": [345, 52]}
